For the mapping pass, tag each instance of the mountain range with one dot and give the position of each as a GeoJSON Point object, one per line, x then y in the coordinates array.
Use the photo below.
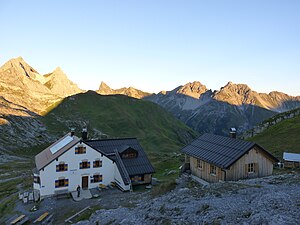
{"type": "Point", "coordinates": [24, 91]}
{"type": "Point", "coordinates": [234, 105]}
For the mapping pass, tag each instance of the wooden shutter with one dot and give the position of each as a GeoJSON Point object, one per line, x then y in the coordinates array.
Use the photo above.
{"type": "Point", "coordinates": [88, 164]}
{"type": "Point", "coordinates": [57, 168]}
{"type": "Point", "coordinates": [66, 182]}
{"type": "Point", "coordinates": [100, 163]}
{"type": "Point", "coordinates": [76, 150]}
{"type": "Point", "coordinates": [80, 165]}
{"type": "Point", "coordinates": [66, 167]}
{"type": "Point", "coordinates": [101, 178]}
{"type": "Point", "coordinates": [56, 184]}
{"type": "Point", "coordinates": [94, 164]}
{"type": "Point", "coordinates": [256, 169]}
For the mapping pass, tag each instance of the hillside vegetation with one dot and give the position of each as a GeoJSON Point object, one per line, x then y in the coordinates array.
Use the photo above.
{"type": "Point", "coordinates": [282, 137]}
{"type": "Point", "coordinates": [160, 133]}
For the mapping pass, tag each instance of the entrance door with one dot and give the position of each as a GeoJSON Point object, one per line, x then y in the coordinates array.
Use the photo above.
{"type": "Point", "coordinates": [85, 182]}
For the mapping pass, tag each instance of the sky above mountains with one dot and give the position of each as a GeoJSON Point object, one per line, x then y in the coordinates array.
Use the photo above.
{"type": "Point", "coordinates": [158, 45]}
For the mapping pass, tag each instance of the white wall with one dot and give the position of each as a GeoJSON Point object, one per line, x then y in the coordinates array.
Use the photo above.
{"type": "Point", "coordinates": [119, 180]}
{"type": "Point", "coordinates": [74, 173]}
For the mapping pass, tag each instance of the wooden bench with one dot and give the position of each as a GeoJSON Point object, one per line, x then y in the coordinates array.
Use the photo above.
{"type": "Point", "coordinates": [61, 193]}
{"type": "Point", "coordinates": [41, 217]}
{"type": "Point", "coordinates": [18, 219]}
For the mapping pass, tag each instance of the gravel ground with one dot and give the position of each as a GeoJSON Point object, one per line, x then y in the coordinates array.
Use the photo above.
{"type": "Point", "coordinates": [270, 200]}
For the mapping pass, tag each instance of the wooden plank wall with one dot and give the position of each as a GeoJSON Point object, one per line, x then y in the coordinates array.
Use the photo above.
{"type": "Point", "coordinates": [204, 173]}
{"type": "Point", "coordinates": [264, 166]}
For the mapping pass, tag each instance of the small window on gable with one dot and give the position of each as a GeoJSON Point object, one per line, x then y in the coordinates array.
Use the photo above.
{"type": "Point", "coordinates": [97, 163]}
{"type": "Point", "coordinates": [251, 168]}
{"type": "Point", "coordinates": [213, 170]}
{"type": "Point", "coordinates": [80, 149]}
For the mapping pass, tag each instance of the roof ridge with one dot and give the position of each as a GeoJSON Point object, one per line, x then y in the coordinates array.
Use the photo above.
{"type": "Point", "coordinates": [109, 139]}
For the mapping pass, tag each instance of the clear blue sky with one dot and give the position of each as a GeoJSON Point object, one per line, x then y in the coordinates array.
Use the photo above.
{"type": "Point", "coordinates": [158, 45]}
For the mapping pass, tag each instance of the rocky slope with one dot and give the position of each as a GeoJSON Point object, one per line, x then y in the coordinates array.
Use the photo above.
{"type": "Point", "coordinates": [104, 89]}
{"type": "Point", "coordinates": [234, 105]}
{"type": "Point", "coordinates": [25, 95]}
{"type": "Point", "coordinates": [270, 200]}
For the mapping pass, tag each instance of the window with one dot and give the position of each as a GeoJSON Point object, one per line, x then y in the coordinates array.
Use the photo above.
{"type": "Point", "coordinates": [80, 150]}
{"type": "Point", "coordinates": [84, 165]}
{"type": "Point", "coordinates": [36, 179]}
{"type": "Point", "coordinates": [61, 182]}
{"type": "Point", "coordinates": [61, 167]}
{"type": "Point", "coordinates": [213, 170]}
{"type": "Point", "coordinates": [199, 164]}
{"type": "Point", "coordinates": [97, 178]}
{"type": "Point", "coordinates": [97, 163]}
{"type": "Point", "coordinates": [251, 168]}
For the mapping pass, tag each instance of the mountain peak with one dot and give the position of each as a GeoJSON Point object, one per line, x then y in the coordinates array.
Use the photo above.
{"type": "Point", "coordinates": [193, 89]}
{"type": "Point", "coordinates": [18, 64]}
{"type": "Point", "coordinates": [104, 87]}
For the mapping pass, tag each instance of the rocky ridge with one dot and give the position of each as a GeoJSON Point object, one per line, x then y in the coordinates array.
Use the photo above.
{"type": "Point", "coordinates": [104, 89]}
{"type": "Point", "coordinates": [234, 105]}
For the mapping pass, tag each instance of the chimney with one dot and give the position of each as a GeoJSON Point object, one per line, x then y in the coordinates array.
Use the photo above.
{"type": "Point", "coordinates": [72, 132]}
{"type": "Point", "coordinates": [232, 132]}
{"type": "Point", "coordinates": [84, 134]}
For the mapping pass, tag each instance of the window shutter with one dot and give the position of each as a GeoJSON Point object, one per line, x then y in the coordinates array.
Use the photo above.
{"type": "Point", "coordinates": [80, 165]}
{"type": "Point", "coordinates": [56, 184]}
{"type": "Point", "coordinates": [94, 164]}
{"type": "Point", "coordinates": [66, 182]}
{"type": "Point", "coordinates": [76, 150]}
{"type": "Point", "coordinates": [256, 168]}
{"type": "Point", "coordinates": [100, 163]}
{"type": "Point", "coordinates": [66, 167]}
{"type": "Point", "coordinates": [88, 164]}
{"type": "Point", "coordinates": [57, 168]}
{"type": "Point", "coordinates": [100, 178]}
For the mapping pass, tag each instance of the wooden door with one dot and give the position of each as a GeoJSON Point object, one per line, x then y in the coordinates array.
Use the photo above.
{"type": "Point", "coordinates": [85, 182]}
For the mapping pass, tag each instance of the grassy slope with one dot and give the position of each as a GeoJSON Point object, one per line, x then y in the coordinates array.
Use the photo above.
{"type": "Point", "coordinates": [160, 133]}
{"type": "Point", "coordinates": [284, 136]}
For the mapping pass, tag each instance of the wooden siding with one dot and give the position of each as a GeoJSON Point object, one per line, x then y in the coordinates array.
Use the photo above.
{"type": "Point", "coordinates": [204, 172]}
{"type": "Point", "coordinates": [263, 166]}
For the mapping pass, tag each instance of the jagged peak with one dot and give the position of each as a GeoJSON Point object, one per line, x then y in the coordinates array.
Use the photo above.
{"type": "Point", "coordinates": [103, 86]}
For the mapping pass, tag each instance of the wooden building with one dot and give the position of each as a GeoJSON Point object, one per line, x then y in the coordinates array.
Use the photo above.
{"type": "Point", "coordinates": [216, 158]}
{"type": "Point", "coordinates": [291, 160]}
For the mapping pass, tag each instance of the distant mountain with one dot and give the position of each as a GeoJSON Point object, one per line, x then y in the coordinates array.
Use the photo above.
{"type": "Point", "coordinates": [21, 84]}
{"type": "Point", "coordinates": [234, 105]}
{"type": "Point", "coordinates": [104, 89]}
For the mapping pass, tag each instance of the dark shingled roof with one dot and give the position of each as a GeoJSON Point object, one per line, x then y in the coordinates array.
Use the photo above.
{"type": "Point", "coordinates": [220, 151]}
{"type": "Point", "coordinates": [133, 166]}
